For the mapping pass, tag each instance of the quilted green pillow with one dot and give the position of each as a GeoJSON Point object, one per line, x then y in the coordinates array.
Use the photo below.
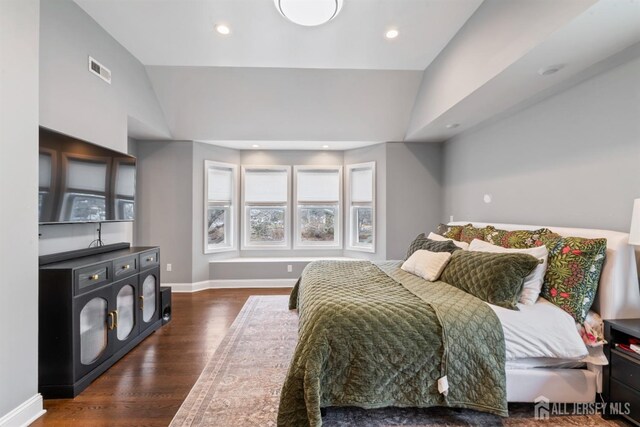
{"type": "Point", "coordinates": [421, 242]}
{"type": "Point", "coordinates": [450, 231]}
{"type": "Point", "coordinates": [516, 239]}
{"type": "Point", "coordinates": [496, 278]}
{"type": "Point", "coordinates": [573, 273]}
{"type": "Point", "coordinates": [469, 233]}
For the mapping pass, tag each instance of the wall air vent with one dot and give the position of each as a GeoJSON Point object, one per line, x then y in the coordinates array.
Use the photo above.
{"type": "Point", "coordinates": [99, 70]}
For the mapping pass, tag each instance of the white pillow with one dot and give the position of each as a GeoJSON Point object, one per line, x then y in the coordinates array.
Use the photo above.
{"type": "Point", "coordinates": [426, 264]}
{"type": "Point", "coordinates": [533, 282]}
{"type": "Point", "coordinates": [439, 238]}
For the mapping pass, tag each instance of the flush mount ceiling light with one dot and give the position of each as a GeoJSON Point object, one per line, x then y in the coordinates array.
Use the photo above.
{"type": "Point", "coordinates": [309, 13]}
{"type": "Point", "coordinates": [255, 146]}
{"type": "Point", "coordinates": [325, 146]}
{"type": "Point", "coordinates": [391, 34]}
{"type": "Point", "coordinates": [223, 29]}
{"type": "Point", "coordinates": [552, 69]}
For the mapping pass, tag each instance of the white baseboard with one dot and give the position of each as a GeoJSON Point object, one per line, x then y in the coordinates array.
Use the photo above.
{"type": "Point", "coordinates": [231, 284]}
{"type": "Point", "coordinates": [26, 413]}
{"type": "Point", "coordinates": [188, 287]}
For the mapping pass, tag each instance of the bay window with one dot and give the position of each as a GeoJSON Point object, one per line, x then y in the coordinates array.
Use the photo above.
{"type": "Point", "coordinates": [266, 207]}
{"type": "Point", "coordinates": [361, 204]}
{"type": "Point", "coordinates": [221, 198]}
{"type": "Point", "coordinates": [317, 198]}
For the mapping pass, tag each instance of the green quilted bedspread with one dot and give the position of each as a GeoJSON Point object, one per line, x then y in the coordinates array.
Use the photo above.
{"type": "Point", "coordinates": [371, 335]}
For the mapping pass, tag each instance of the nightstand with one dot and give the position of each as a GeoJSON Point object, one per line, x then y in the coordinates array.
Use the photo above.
{"type": "Point", "coordinates": [621, 379]}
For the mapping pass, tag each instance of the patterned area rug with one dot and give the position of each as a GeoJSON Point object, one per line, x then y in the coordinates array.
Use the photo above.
{"type": "Point", "coordinates": [240, 386]}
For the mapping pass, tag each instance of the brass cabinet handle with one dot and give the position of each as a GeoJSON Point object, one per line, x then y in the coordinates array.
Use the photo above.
{"type": "Point", "coordinates": [150, 258]}
{"type": "Point", "coordinates": [141, 302]}
{"type": "Point", "coordinates": [94, 277]}
{"type": "Point", "coordinates": [111, 318]}
{"type": "Point", "coordinates": [115, 323]}
{"type": "Point", "coordinates": [126, 267]}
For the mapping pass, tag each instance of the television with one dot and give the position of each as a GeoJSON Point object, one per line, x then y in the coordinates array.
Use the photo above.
{"type": "Point", "coordinates": [81, 182]}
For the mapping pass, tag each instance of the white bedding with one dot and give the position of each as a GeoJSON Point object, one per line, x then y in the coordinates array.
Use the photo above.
{"type": "Point", "coordinates": [541, 330]}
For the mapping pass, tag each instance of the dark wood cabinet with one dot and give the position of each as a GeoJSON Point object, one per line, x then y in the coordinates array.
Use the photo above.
{"type": "Point", "coordinates": [93, 310]}
{"type": "Point", "coordinates": [621, 380]}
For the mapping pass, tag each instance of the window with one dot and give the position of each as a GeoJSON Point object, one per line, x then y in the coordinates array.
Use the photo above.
{"type": "Point", "coordinates": [317, 199]}
{"type": "Point", "coordinates": [221, 199]}
{"type": "Point", "coordinates": [361, 181]}
{"type": "Point", "coordinates": [266, 207]}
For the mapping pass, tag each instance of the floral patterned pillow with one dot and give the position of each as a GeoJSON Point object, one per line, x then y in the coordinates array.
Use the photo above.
{"type": "Point", "coordinates": [573, 273]}
{"type": "Point", "coordinates": [469, 233]}
{"type": "Point", "coordinates": [517, 239]}
{"type": "Point", "coordinates": [450, 231]}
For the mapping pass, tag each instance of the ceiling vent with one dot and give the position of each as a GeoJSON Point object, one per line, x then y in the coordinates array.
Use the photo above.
{"type": "Point", "coordinates": [99, 70]}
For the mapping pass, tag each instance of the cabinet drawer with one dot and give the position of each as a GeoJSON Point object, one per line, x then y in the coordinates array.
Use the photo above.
{"type": "Point", "coordinates": [125, 267]}
{"type": "Point", "coordinates": [625, 370]}
{"type": "Point", "coordinates": [624, 399]}
{"type": "Point", "coordinates": [89, 278]}
{"type": "Point", "coordinates": [149, 259]}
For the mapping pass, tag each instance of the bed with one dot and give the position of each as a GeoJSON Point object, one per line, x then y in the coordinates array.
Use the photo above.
{"type": "Point", "coordinates": [365, 340]}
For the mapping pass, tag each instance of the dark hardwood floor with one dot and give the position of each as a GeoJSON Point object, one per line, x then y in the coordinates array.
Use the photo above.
{"type": "Point", "coordinates": [148, 385]}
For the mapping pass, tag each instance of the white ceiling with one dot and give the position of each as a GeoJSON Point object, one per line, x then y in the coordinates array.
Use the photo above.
{"type": "Point", "coordinates": [181, 33]}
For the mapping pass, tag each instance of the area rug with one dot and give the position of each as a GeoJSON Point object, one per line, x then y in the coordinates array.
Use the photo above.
{"type": "Point", "coordinates": [240, 386]}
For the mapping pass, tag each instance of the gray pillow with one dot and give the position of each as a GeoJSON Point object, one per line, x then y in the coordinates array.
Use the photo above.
{"type": "Point", "coordinates": [496, 278]}
{"type": "Point", "coordinates": [421, 242]}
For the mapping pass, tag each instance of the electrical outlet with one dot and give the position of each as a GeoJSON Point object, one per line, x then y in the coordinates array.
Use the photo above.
{"type": "Point", "coordinates": [169, 267]}
{"type": "Point", "coordinates": [451, 218]}
{"type": "Point", "coordinates": [289, 268]}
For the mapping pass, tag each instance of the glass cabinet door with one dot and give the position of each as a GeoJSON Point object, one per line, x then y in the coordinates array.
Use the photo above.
{"type": "Point", "coordinates": [149, 297]}
{"type": "Point", "coordinates": [125, 306]}
{"type": "Point", "coordinates": [93, 330]}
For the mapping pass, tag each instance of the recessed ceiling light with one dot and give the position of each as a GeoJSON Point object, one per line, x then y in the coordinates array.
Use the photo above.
{"type": "Point", "coordinates": [452, 125]}
{"type": "Point", "coordinates": [391, 34]}
{"type": "Point", "coordinates": [552, 69]}
{"type": "Point", "coordinates": [325, 146]}
{"type": "Point", "coordinates": [255, 146]}
{"type": "Point", "coordinates": [223, 29]}
{"type": "Point", "coordinates": [309, 13]}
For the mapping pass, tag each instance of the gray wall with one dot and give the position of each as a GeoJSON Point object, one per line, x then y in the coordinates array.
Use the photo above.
{"type": "Point", "coordinates": [375, 153]}
{"type": "Point", "coordinates": [281, 104]}
{"type": "Point", "coordinates": [76, 102]}
{"type": "Point", "coordinates": [414, 193]}
{"type": "Point", "coordinates": [570, 160]}
{"type": "Point", "coordinates": [165, 204]}
{"type": "Point", "coordinates": [18, 203]}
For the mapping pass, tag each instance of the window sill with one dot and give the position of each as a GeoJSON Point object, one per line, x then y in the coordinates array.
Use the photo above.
{"type": "Point", "coordinates": [281, 259]}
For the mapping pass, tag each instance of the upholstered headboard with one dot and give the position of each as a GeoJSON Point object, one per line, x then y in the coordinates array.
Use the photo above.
{"type": "Point", "coordinates": [618, 294]}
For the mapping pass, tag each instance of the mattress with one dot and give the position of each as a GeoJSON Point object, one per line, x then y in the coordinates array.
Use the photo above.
{"type": "Point", "coordinates": [544, 362]}
{"type": "Point", "coordinates": [540, 335]}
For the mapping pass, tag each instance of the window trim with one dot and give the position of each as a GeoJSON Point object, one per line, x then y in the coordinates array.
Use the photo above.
{"type": "Point", "coordinates": [349, 208]}
{"type": "Point", "coordinates": [245, 229]}
{"type": "Point", "coordinates": [233, 245]}
{"type": "Point", "coordinates": [297, 241]}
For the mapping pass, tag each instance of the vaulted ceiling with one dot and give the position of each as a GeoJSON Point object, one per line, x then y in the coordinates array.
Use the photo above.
{"type": "Point", "coordinates": [454, 62]}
